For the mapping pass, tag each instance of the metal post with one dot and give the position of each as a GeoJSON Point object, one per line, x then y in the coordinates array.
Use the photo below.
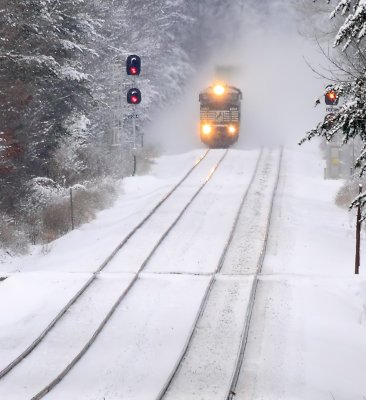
{"type": "Point", "coordinates": [72, 210]}
{"type": "Point", "coordinates": [134, 130]}
{"type": "Point", "coordinates": [358, 235]}
{"type": "Point", "coordinates": [134, 165]}
{"type": "Point", "coordinates": [134, 123]}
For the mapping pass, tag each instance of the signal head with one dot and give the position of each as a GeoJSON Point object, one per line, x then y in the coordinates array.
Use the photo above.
{"type": "Point", "coordinates": [134, 96]}
{"type": "Point", "coordinates": [133, 65]}
{"type": "Point", "coordinates": [331, 98]}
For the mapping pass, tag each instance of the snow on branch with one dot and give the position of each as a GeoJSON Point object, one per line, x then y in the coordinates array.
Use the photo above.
{"type": "Point", "coordinates": [73, 74]}
{"type": "Point", "coordinates": [354, 27]}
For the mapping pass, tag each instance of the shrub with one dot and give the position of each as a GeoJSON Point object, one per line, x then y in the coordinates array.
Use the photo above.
{"type": "Point", "coordinates": [348, 192]}
{"type": "Point", "coordinates": [87, 200]}
{"type": "Point", "coordinates": [145, 159]}
{"type": "Point", "coordinates": [12, 239]}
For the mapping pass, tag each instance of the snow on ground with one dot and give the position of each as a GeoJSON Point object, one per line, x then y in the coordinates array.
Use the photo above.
{"type": "Point", "coordinates": [197, 242]}
{"type": "Point", "coordinates": [35, 290]}
{"type": "Point", "coordinates": [243, 256]}
{"type": "Point", "coordinates": [138, 248]}
{"type": "Point", "coordinates": [135, 353]}
{"type": "Point", "coordinates": [65, 340]}
{"type": "Point", "coordinates": [208, 366]}
{"type": "Point", "coordinates": [28, 302]}
{"type": "Point", "coordinates": [307, 338]}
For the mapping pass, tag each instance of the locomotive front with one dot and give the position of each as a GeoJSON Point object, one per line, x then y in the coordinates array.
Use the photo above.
{"type": "Point", "coordinates": [220, 115]}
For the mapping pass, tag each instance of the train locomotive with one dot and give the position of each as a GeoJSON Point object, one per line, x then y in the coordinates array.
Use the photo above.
{"type": "Point", "coordinates": [220, 108]}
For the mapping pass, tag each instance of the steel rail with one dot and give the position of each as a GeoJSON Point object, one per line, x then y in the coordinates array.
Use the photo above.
{"type": "Point", "coordinates": [209, 288]}
{"type": "Point", "coordinates": [95, 274]}
{"type": "Point", "coordinates": [77, 358]}
{"type": "Point", "coordinates": [244, 337]}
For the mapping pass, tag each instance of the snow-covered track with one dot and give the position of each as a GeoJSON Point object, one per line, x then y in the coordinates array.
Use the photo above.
{"type": "Point", "coordinates": [125, 292]}
{"type": "Point", "coordinates": [234, 290]}
{"type": "Point", "coordinates": [207, 293]}
{"type": "Point", "coordinates": [244, 339]}
{"type": "Point", "coordinates": [94, 276]}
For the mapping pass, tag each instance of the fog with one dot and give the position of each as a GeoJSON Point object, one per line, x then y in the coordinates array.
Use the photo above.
{"type": "Point", "coordinates": [279, 88]}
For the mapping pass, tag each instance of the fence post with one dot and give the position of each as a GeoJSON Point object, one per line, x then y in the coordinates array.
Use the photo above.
{"type": "Point", "coordinates": [71, 210]}
{"type": "Point", "coordinates": [134, 164]}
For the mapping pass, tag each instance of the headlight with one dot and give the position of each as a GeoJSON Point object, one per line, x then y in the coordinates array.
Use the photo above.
{"type": "Point", "coordinates": [206, 129]}
{"type": "Point", "coordinates": [231, 129]}
{"type": "Point", "coordinates": [219, 90]}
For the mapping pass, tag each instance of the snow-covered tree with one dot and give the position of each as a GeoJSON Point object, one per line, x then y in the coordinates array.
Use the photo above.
{"type": "Point", "coordinates": [354, 27]}
{"type": "Point", "coordinates": [58, 81]}
{"type": "Point", "coordinates": [43, 86]}
{"type": "Point", "coordinates": [348, 79]}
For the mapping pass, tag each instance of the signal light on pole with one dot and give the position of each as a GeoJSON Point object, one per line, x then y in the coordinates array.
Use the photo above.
{"type": "Point", "coordinates": [331, 98]}
{"type": "Point", "coordinates": [134, 96]}
{"type": "Point", "coordinates": [133, 65]}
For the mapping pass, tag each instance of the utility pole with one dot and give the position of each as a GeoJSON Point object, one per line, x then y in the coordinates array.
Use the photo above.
{"type": "Point", "coordinates": [358, 235]}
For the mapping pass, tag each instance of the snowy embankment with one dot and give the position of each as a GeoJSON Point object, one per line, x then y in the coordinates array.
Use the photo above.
{"type": "Point", "coordinates": [138, 195]}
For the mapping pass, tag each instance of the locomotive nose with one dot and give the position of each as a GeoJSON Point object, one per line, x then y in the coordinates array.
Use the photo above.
{"type": "Point", "coordinates": [220, 115]}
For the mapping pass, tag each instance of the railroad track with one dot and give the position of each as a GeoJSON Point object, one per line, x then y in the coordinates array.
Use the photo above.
{"type": "Point", "coordinates": [64, 372]}
{"type": "Point", "coordinates": [73, 300]}
{"type": "Point", "coordinates": [94, 276]}
{"type": "Point", "coordinates": [239, 362]}
{"type": "Point", "coordinates": [167, 392]}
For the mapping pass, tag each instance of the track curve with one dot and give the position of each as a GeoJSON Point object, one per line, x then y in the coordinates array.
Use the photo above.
{"type": "Point", "coordinates": [220, 157]}
{"type": "Point", "coordinates": [94, 276]}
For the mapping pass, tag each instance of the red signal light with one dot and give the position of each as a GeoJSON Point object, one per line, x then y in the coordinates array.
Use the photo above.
{"type": "Point", "coordinates": [133, 65]}
{"type": "Point", "coordinates": [134, 96]}
{"type": "Point", "coordinates": [331, 98]}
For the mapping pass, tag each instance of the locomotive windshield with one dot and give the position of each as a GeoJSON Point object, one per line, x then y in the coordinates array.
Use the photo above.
{"type": "Point", "coordinates": [209, 98]}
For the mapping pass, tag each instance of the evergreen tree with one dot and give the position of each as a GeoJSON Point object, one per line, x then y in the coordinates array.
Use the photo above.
{"type": "Point", "coordinates": [58, 83]}
{"type": "Point", "coordinates": [43, 87]}
{"type": "Point", "coordinates": [349, 82]}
